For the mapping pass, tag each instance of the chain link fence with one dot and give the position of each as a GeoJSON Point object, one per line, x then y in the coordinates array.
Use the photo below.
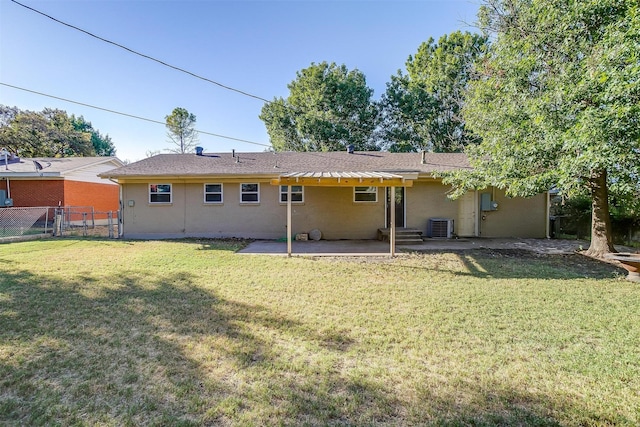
{"type": "Point", "coordinates": [60, 221]}
{"type": "Point", "coordinates": [24, 221]}
{"type": "Point", "coordinates": [83, 220]}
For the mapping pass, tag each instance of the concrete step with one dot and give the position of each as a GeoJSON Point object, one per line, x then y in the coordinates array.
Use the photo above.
{"type": "Point", "coordinates": [403, 235]}
{"type": "Point", "coordinates": [409, 241]}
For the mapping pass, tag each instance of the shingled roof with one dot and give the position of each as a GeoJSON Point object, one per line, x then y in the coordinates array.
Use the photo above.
{"type": "Point", "coordinates": [50, 166]}
{"type": "Point", "coordinates": [277, 164]}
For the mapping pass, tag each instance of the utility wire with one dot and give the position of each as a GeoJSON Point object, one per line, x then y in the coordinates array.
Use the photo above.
{"type": "Point", "coordinates": [287, 107]}
{"type": "Point", "coordinates": [129, 115]}
{"type": "Point", "coordinates": [312, 153]}
{"type": "Point", "coordinates": [143, 55]}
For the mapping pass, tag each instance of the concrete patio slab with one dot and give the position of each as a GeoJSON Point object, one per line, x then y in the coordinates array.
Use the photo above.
{"type": "Point", "coordinates": [377, 248]}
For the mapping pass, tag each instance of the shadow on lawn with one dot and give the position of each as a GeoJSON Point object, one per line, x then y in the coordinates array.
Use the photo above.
{"type": "Point", "coordinates": [518, 263]}
{"type": "Point", "coordinates": [136, 350]}
{"type": "Point", "coordinates": [145, 351]}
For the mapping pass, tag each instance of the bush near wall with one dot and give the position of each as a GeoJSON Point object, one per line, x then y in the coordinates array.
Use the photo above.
{"type": "Point", "coordinates": [573, 219]}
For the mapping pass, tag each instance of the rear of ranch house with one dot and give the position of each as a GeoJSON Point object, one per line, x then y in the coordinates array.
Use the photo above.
{"type": "Point", "coordinates": [344, 195]}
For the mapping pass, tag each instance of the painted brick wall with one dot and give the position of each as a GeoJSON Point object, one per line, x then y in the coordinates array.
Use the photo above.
{"type": "Point", "coordinates": [103, 197]}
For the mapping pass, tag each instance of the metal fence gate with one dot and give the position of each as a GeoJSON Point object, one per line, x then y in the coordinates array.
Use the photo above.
{"type": "Point", "coordinates": [84, 220]}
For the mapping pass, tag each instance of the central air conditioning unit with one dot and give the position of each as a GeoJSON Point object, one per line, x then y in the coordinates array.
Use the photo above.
{"type": "Point", "coordinates": [440, 228]}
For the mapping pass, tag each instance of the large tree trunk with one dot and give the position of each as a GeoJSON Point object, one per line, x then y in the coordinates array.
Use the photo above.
{"type": "Point", "coordinates": [601, 241]}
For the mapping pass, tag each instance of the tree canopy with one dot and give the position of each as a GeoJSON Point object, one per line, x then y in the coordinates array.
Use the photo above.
{"type": "Point", "coordinates": [50, 133]}
{"type": "Point", "coordinates": [558, 103]}
{"type": "Point", "coordinates": [422, 109]}
{"type": "Point", "coordinates": [328, 109]}
{"type": "Point", "coordinates": [181, 130]}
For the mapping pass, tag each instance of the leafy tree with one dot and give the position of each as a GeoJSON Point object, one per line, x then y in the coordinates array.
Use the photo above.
{"type": "Point", "coordinates": [50, 133]}
{"type": "Point", "coordinates": [407, 111]}
{"type": "Point", "coordinates": [181, 130]}
{"type": "Point", "coordinates": [328, 109]}
{"type": "Point", "coordinates": [64, 139]}
{"type": "Point", "coordinates": [21, 131]}
{"type": "Point", "coordinates": [102, 144]}
{"type": "Point", "coordinates": [421, 109]}
{"type": "Point", "coordinates": [558, 103]}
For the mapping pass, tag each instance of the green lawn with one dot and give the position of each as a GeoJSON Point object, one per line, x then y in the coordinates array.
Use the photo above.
{"type": "Point", "coordinates": [103, 332]}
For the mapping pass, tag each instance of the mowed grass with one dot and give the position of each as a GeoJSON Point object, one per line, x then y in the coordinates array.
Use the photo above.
{"type": "Point", "coordinates": [99, 332]}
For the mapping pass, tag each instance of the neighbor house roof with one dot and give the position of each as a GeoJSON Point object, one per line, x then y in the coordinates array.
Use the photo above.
{"type": "Point", "coordinates": [283, 163]}
{"type": "Point", "coordinates": [51, 166]}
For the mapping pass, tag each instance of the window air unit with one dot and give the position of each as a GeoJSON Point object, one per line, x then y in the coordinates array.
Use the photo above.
{"type": "Point", "coordinates": [440, 228]}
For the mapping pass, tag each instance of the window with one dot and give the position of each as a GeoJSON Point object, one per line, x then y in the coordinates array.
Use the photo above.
{"type": "Point", "coordinates": [297, 194]}
{"type": "Point", "coordinates": [213, 193]}
{"type": "Point", "coordinates": [159, 193]}
{"type": "Point", "coordinates": [249, 193]}
{"type": "Point", "coordinates": [365, 194]}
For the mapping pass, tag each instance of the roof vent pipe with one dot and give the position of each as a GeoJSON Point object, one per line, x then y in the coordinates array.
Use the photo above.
{"type": "Point", "coordinates": [199, 151]}
{"type": "Point", "coordinates": [350, 148]}
{"type": "Point", "coordinates": [424, 157]}
{"type": "Point", "coordinates": [233, 152]}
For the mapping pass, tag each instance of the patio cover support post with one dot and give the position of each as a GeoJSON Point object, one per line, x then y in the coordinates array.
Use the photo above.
{"type": "Point", "coordinates": [392, 231]}
{"type": "Point", "coordinates": [288, 220]}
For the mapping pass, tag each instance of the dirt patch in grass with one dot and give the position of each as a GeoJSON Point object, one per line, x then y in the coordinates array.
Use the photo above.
{"type": "Point", "coordinates": [504, 262]}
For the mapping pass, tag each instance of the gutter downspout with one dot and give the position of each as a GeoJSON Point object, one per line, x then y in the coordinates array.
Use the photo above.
{"type": "Point", "coordinates": [120, 217]}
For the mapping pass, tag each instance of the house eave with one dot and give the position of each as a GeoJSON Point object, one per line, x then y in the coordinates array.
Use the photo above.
{"type": "Point", "coordinates": [343, 179]}
{"type": "Point", "coordinates": [122, 179]}
{"type": "Point", "coordinates": [28, 175]}
{"type": "Point", "coordinates": [114, 160]}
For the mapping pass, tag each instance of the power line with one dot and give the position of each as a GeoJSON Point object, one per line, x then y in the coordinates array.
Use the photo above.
{"type": "Point", "coordinates": [182, 70]}
{"type": "Point", "coordinates": [317, 154]}
{"type": "Point", "coordinates": [287, 107]}
{"type": "Point", "coordinates": [128, 115]}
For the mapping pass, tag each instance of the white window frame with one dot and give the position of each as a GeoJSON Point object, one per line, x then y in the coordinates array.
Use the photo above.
{"type": "Point", "coordinates": [242, 193]}
{"type": "Point", "coordinates": [156, 193]}
{"type": "Point", "coordinates": [284, 192]}
{"type": "Point", "coordinates": [365, 190]}
{"type": "Point", "coordinates": [221, 192]}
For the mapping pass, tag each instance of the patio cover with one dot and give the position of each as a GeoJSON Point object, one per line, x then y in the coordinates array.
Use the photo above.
{"type": "Point", "coordinates": [345, 179]}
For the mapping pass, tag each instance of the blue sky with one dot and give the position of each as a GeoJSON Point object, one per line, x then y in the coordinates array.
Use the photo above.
{"type": "Point", "coordinates": [253, 46]}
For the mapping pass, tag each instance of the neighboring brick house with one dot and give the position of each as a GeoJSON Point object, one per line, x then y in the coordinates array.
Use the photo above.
{"type": "Point", "coordinates": [67, 181]}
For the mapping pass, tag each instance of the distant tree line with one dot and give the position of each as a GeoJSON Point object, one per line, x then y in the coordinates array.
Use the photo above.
{"type": "Point", "coordinates": [50, 133]}
{"type": "Point", "coordinates": [330, 107]}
